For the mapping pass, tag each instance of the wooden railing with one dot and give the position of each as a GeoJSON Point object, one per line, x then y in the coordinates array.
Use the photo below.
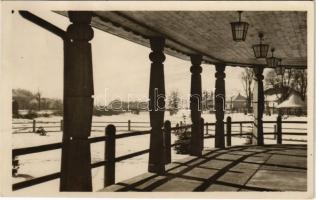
{"type": "Point", "coordinates": [110, 138]}
{"type": "Point", "coordinates": [57, 126]}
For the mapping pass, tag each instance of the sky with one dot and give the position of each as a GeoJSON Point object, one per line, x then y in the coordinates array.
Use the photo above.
{"type": "Point", "coordinates": [120, 67]}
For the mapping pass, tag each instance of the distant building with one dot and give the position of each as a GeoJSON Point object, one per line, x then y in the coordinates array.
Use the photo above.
{"type": "Point", "coordinates": [293, 105]}
{"type": "Point", "coordinates": [236, 103]}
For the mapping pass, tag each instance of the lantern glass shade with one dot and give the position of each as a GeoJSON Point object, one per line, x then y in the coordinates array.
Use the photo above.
{"type": "Point", "coordinates": [273, 62]}
{"type": "Point", "coordinates": [260, 50]}
{"type": "Point", "coordinates": [239, 30]}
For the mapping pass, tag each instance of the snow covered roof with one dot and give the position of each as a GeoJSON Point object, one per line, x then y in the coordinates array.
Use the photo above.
{"type": "Point", "coordinates": [239, 97]}
{"type": "Point", "coordinates": [271, 97]}
{"type": "Point", "coordinates": [293, 101]}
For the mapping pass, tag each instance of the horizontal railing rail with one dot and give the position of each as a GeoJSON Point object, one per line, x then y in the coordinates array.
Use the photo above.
{"type": "Point", "coordinates": [232, 133]}
{"type": "Point", "coordinates": [24, 127]}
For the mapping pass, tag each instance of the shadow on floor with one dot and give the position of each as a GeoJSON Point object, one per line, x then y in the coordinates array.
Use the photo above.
{"type": "Point", "coordinates": [239, 168]}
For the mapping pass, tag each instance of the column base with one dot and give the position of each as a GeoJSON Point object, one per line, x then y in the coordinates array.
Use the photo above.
{"type": "Point", "coordinates": [219, 135]}
{"type": "Point", "coordinates": [158, 169]}
{"type": "Point", "coordinates": [195, 143]}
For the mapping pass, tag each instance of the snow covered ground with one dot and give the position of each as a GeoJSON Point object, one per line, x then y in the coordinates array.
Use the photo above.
{"type": "Point", "coordinates": [39, 164]}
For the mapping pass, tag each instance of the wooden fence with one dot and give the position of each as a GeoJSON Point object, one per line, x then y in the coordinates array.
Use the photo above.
{"type": "Point", "coordinates": [32, 126]}
{"type": "Point", "coordinates": [110, 138]}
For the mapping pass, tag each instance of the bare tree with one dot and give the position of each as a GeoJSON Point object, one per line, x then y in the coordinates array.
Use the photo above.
{"type": "Point", "coordinates": [206, 96]}
{"type": "Point", "coordinates": [247, 79]}
{"type": "Point", "coordinates": [300, 82]}
{"type": "Point", "coordinates": [38, 97]}
{"type": "Point", "coordinates": [283, 85]}
{"type": "Point", "coordinates": [173, 102]}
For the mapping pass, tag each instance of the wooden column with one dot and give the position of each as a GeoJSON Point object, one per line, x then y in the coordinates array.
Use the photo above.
{"type": "Point", "coordinates": [156, 106]}
{"type": "Point", "coordinates": [78, 104]}
{"type": "Point", "coordinates": [196, 105]}
{"type": "Point", "coordinates": [219, 106]}
{"type": "Point", "coordinates": [258, 106]}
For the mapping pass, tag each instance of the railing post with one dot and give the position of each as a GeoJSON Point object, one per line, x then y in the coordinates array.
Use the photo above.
{"type": "Point", "coordinates": [109, 168]}
{"type": "Point", "coordinates": [229, 131]}
{"type": "Point", "coordinates": [34, 125]}
{"type": "Point", "coordinates": [279, 130]}
{"type": "Point", "coordinates": [206, 127]}
{"type": "Point", "coordinates": [167, 141]}
{"type": "Point", "coordinates": [240, 129]}
{"type": "Point", "coordinates": [129, 125]}
{"type": "Point", "coordinates": [61, 125]}
{"type": "Point", "coordinates": [275, 132]}
{"type": "Point", "coordinates": [202, 134]}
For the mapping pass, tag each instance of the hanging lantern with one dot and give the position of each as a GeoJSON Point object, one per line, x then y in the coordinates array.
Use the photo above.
{"type": "Point", "coordinates": [260, 50]}
{"type": "Point", "coordinates": [272, 61]}
{"type": "Point", "coordinates": [280, 70]}
{"type": "Point", "coordinates": [239, 29]}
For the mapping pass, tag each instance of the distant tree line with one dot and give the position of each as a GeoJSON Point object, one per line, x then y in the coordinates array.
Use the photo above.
{"type": "Point", "coordinates": [26, 100]}
{"type": "Point", "coordinates": [293, 80]}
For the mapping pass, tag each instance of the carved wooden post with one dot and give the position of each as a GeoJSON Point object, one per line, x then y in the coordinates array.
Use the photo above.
{"type": "Point", "coordinates": [279, 129]}
{"type": "Point", "coordinates": [229, 131]}
{"type": "Point", "coordinates": [78, 104]}
{"type": "Point", "coordinates": [196, 105]}
{"type": "Point", "coordinates": [109, 168]}
{"type": "Point", "coordinates": [258, 106]}
{"type": "Point", "coordinates": [156, 105]}
{"type": "Point", "coordinates": [167, 141]}
{"type": "Point", "coordinates": [219, 106]}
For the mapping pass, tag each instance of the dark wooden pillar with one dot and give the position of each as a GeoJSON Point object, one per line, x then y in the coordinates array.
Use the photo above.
{"type": "Point", "coordinates": [109, 156]}
{"type": "Point", "coordinates": [156, 106]}
{"type": "Point", "coordinates": [196, 105]}
{"type": "Point", "coordinates": [219, 106]}
{"type": "Point", "coordinates": [78, 104]}
{"type": "Point", "coordinates": [229, 131]}
{"type": "Point", "coordinates": [202, 124]}
{"type": "Point", "coordinates": [258, 106]}
{"type": "Point", "coordinates": [167, 140]}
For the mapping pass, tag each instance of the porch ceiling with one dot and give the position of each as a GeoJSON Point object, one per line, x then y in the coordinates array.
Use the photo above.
{"type": "Point", "coordinates": [209, 33]}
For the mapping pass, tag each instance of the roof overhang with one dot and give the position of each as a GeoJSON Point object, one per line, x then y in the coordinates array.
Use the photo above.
{"type": "Point", "coordinates": [209, 33]}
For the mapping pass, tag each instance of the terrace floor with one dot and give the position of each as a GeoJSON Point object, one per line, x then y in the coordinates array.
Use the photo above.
{"type": "Point", "coordinates": [238, 168]}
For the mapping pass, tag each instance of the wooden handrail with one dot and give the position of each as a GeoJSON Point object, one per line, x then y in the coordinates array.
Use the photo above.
{"type": "Point", "coordinates": [294, 122]}
{"type": "Point", "coordinates": [36, 149]}
{"type": "Point", "coordinates": [243, 122]}
{"type": "Point", "coordinates": [54, 146]}
{"type": "Point", "coordinates": [35, 181]}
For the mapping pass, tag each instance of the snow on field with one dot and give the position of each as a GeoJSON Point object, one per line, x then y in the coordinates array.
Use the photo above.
{"type": "Point", "coordinates": [39, 164]}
